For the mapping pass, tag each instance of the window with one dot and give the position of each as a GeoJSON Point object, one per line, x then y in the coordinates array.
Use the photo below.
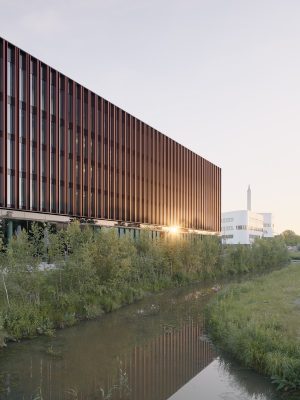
{"type": "Point", "coordinates": [43, 87]}
{"type": "Point", "coordinates": [252, 238]}
{"type": "Point", "coordinates": [227, 220]}
{"type": "Point", "coordinates": [62, 98]}
{"type": "Point", "coordinates": [10, 72]}
{"type": "Point", "coordinates": [33, 82]}
{"type": "Point", "coordinates": [43, 131]}
{"type": "Point", "coordinates": [10, 119]}
{"type": "Point", "coordinates": [22, 192]}
{"type": "Point", "coordinates": [52, 94]}
{"type": "Point", "coordinates": [53, 135]}
{"type": "Point", "coordinates": [22, 122]}
{"type": "Point", "coordinates": [70, 101]}
{"type": "Point", "coordinates": [33, 125]}
{"type": "Point", "coordinates": [22, 77]}
{"type": "Point", "coordinates": [227, 228]}
{"type": "Point", "coordinates": [227, 236]}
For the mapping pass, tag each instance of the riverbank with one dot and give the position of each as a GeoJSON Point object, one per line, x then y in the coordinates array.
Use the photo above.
{"type": "Point", "coordinates": [55, 279]}
{"type": "Point", "coordinates": [258, 323]}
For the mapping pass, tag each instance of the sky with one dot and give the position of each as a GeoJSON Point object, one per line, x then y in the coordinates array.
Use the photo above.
{"type": "Point", "coordinates": [221, 77]}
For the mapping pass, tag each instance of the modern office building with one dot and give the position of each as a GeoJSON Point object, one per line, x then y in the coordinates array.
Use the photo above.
{"type": "Point", "coordinates": [244, 226]}
{"type": "Point", "coordinates": [66, 152]}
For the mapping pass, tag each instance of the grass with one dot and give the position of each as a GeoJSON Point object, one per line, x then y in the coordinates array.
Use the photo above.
{"type": "Point", "coordinates": [294, 255]}
{"type": "Point", "coordinates": [258, 322]}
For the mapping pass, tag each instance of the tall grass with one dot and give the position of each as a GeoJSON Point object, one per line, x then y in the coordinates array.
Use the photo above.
{"type": "Point", "coordinates": [258, 323]}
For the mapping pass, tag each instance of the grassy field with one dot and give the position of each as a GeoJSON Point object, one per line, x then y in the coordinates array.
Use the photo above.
{"type": "Point", "coordinates": [258, 322]}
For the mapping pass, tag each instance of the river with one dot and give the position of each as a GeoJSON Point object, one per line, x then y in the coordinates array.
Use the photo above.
{"type": "Point", "coordinates": [155, 349]}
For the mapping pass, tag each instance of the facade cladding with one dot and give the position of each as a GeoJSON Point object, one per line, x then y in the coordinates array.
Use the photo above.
{"type": "Point", "coordinates": [65, 150]}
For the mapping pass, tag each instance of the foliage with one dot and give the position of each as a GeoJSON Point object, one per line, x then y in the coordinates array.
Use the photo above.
{"type": "Point", "coordinates": [257, 322]}
{"type": "Point", "coordinates": [294, 255]}
{"type": "Point", "coordinates": [263, 255]}
{"type": "Point", "coordinates": [51, 279]}
{"type": "Point", "coordinates": [290, 238]}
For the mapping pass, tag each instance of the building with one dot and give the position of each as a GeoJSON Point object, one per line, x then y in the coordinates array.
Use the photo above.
{"type": "Point", "coordinates": [66, 152]}
{"type": "Point", "coordinates": [268, 225]}
{"type": "Point", "coordinates": [244, 226]}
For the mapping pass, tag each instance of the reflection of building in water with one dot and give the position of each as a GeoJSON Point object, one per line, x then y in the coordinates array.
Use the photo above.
{"type": "Point", "coordinates": [158, 369]}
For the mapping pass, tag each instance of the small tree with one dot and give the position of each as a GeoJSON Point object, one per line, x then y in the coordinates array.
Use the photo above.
{"type": "Point", "coordinates": [290, 238]}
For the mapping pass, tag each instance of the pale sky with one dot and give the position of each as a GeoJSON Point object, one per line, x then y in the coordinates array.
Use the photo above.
{"type": "Point", "coordinates": [221, 77]}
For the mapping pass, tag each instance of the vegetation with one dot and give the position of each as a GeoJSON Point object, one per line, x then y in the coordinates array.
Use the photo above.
{"type": "Point", "coordinates": [294, 255]}
{"type": "Point", "coordinates": [290, 238]}
{"type": "Point", "coordinates": [52, 279]}
{"type": "Point", "coordinates": [258, 323]}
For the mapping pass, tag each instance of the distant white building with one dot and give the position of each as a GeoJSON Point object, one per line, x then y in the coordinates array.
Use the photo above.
{"type": "Point", "coordinates": [268, 225]}
{"type": "Point", "coordinates": [244, 226]}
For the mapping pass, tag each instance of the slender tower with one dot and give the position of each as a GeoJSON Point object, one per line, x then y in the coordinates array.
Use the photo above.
{"type": "Point", "coordinates": [249, 199]}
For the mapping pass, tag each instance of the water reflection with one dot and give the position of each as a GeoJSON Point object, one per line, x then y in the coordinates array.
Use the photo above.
{"type": "Point", "coordinates": [225, 380]}
{"type": "Point", "coordinates": [146, 351]}
{"type": "Point", "coordinates": [159, 368]}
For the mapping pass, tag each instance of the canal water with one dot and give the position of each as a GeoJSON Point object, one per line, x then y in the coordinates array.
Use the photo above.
{"type": "Point", "coordinates": [155, 349]}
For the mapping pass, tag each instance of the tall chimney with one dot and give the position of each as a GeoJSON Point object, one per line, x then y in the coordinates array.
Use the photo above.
{"type": "Point", "coordinates": [249, 199]}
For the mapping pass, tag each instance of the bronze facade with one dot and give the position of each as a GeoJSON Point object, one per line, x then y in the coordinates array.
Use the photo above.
{"type": "Point", "coordinates": [65, 150]}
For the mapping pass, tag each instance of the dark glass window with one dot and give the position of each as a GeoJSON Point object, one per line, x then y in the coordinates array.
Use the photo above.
{"type": "Point", "coordinates": [70, 101]}
{"type": "Point", "coordinates": [85, 205]}
{"type": "Point", "coordinates": [62, 98]}
{"type": "Point", "coordinates": [61, 198]}
{"type": "Point", "coordinates": [53, 135]}
{"type": "Point", "coordinates": [85, 146]}
{"type": "Point", "coordinates": [78, 173]}
{"type": "Point", "coordinates": [22, 192]}
{"type": "Point", "coordinates": [61, 137]}
{"type": "Point", "coordinates": [33, 83]}
{"type": "Point", "coordinates": [10, 72]}
{"type": "Point", "coordinates": [53, 94]}
{"type": "Point", "coordinates": [78, 106]}
{"type": "Point", "coordinates": [70, 141]}
{"type": "Point", "coordinates": [43, 88]}
{"type": "Point", "coordinates": [85, 111]}
{"type": "Point", "coordinates": [78, 147]}
{"type": "Point", "coordinates": [10, 119]}
{"type": "Point", "coordinates": [33, 160]}
{"type": "Point", "coordinates": [33, 125]}
{"type": "Point", "coordinates": [22, 122]}
{"type": "Point", "coordinates": [22, 77]}
{"type": "Point", "coordinates": [93, 115]}
{"type": "Point", "coordinates": [44, 131]}
{"type": "Point", "coordinates": [43, 195]}
{"type": "Point", "coordinates": [22, 157]}
{"type": "Point", "coordinates": [10, 189]}
{"type": "Point", "coordinates": [70, 186]}
{"type": "Point", "coordinates": [10, 171]}
{"type": "Point", "coordinates": [43, 162]}
{"type": "Point", "coordinates": [34, 193]}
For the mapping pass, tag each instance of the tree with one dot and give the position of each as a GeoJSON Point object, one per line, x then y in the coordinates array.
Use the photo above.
{"type": "Point", "coordinates": [3, 270]}
{"type": "Point", "coordinates": [290, 238]}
